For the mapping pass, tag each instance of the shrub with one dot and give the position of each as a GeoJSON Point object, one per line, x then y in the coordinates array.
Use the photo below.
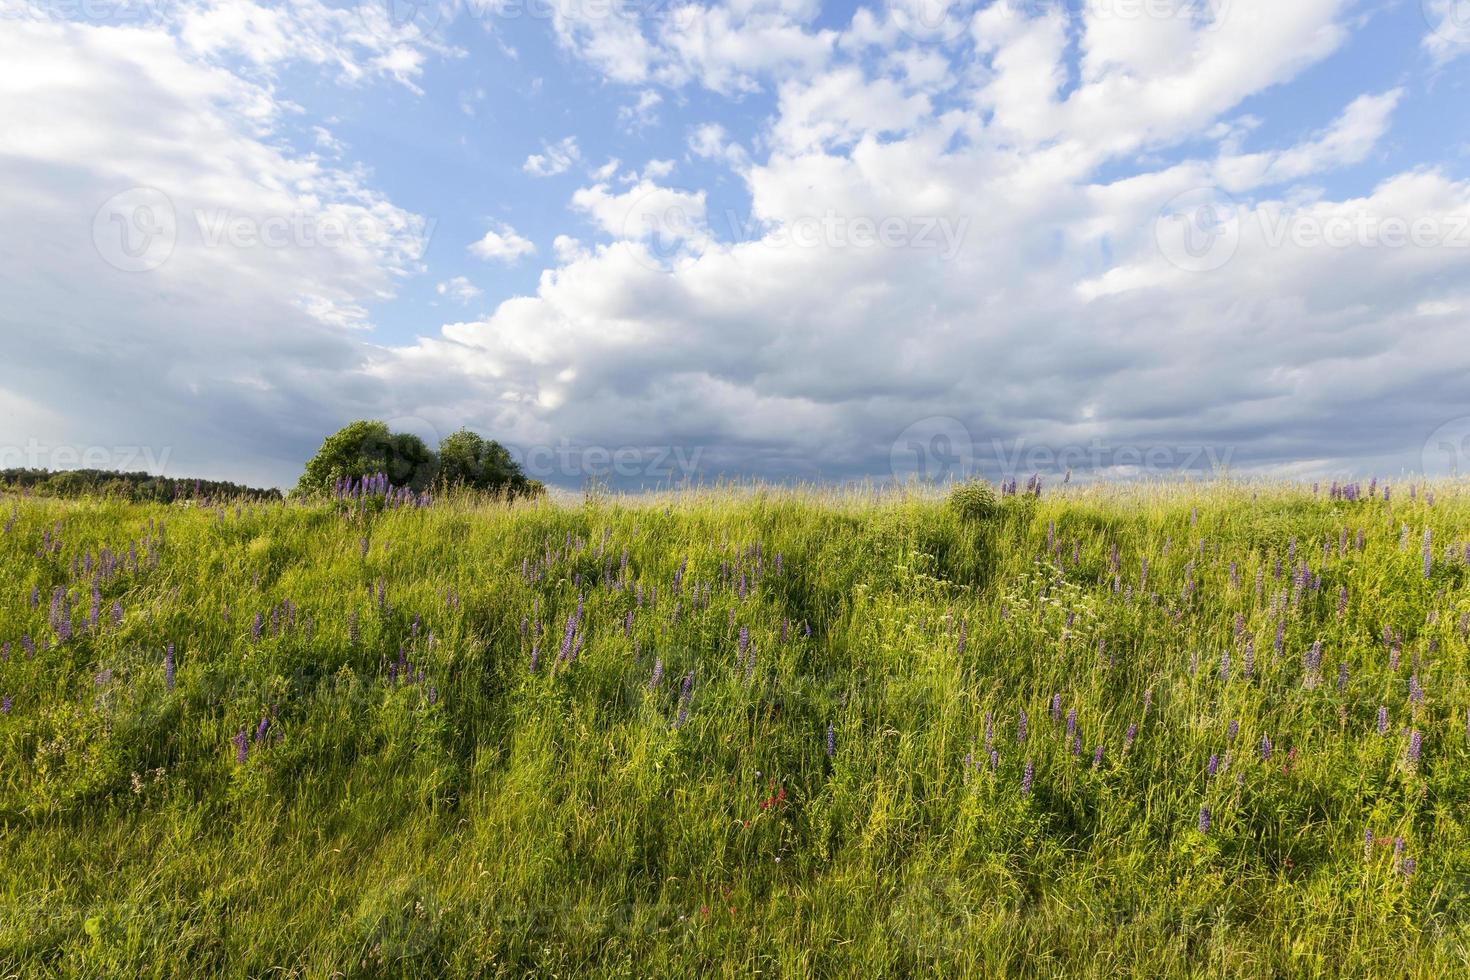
{"type": "Point", "coordinates": [974, 501]}
{"type": "Point", "coordinates": [467, 459]}
{"type": "Point", "coordinates": [366, 448]}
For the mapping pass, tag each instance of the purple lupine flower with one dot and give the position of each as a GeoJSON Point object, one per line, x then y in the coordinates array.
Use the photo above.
{"type": "Point", "coordinates": [1204, 820]}
{"type": "Point", "coordinates": [1056, 708]}
{"type": "Point", "coordinates": [258, 627]}
{"type": "Point", "coordinates": [168, 667]}
{"type": "Point", "coordinates": [1248, 668]}
{"type": "Point", "coordinates": [1312, 665]}
{"type": "Point", "coordinates": [1342, 600]}
{"type": "Point", "coordinates": [1342, 677]}
{"type": "Point", "coordinates": [1212, 766]}
{"type": "Point", "coordinates": [433, 695]}
{"type": "Point", "coordinates": [685, 694]}
{"type": "Point", "coordinates": [990, 732]}
{"type": "Point", "coordinates": [1416, 744]}
{"type": "Point", "coordinates": [1225, 665]}
{"type": "Point", "coordinates": [6, 704]}
{"type": "Point", "coordinates": [29, 646]}
{"type": "Point", "coordinates": [1232, 730]}
{"type": "Point", "coordinates": [1027, 776]}
{"type": "Point", "coordinates": [1097, 756]}
{"type": "Point", "coordinates": [1021, 726]}
{"type": "Point", "coordinates": [1071, 722]}
{"type": "Point", "coordinates": [1368, 844]}
{"type": "Point", "coordinates": [1382, 719]}
{"type": "Point", "coordinates": [242, 747]}
{"type": "Point", "coordinates": [658, 673]}
{"type": "Point", "coordinates": [1265, 748]}
{"type": "Point", "coordinates": [1428, 552]}
{"type": "Point", "coordinates": [117, 613]}
{"type": "Point", "coordinates": [1416, 693]}
{"type": "Point", "coordinates": [1130, 735]}
{"type": "Point", "coordinates": [260, 729]}
{"type": "Point", "coordinates": [535, 655]}
{"type": "Point", "coordinates": [569, 635]}
{"type": "Point", "coordinates": [831, 741]}
{"type": "Point", "coordinates": [742, 641]}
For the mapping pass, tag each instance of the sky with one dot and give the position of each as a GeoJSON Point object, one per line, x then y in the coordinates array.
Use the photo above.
{"type": "Point", "coordinates": [650, 241]}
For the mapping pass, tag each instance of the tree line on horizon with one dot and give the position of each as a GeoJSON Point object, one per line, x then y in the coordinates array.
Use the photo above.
{"type": "Point", "coordinates": [464, 460]}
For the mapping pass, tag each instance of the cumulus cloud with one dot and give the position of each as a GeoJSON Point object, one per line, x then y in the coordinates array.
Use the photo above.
{"type": "Point", "coordinates": [1019, 226]}
{"type": "Point", "coordinates": [502, 244]}
{"type": "Point", "coordinates": [556, 158]}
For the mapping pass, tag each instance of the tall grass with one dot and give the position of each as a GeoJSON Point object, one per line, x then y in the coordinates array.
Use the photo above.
{"type": "Point", "coordinates": [416, 800]}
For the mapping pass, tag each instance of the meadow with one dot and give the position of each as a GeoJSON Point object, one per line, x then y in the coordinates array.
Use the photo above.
{"type": "Point", "coordinates": [1153, 730]}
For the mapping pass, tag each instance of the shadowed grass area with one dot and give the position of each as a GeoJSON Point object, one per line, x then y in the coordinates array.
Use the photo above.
{"type": "Point", "coordinates": [735, 733]}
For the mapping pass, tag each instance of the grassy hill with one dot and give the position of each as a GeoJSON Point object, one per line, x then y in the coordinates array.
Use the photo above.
{"type": "Point", "coordinates": [1146, 731]}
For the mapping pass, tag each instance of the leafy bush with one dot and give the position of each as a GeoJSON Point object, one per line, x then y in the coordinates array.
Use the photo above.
{"type": "Point", "coordinates": [466, 459]}
{"type": "Point", "coordinates": [366, 448]}
{"type": "Point", "coordinates": [974, 501]}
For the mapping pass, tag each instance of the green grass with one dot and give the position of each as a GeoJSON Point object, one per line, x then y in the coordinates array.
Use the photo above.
{"type": "Point", "coordinates": [489, 820]}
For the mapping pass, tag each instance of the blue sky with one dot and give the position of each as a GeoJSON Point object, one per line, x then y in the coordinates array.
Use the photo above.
{"type": "Point", "coordinates": [1126, 237]}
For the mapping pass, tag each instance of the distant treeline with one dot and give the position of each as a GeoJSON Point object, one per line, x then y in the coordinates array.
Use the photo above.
{"type": "Point", "coordinates": [136, 487]}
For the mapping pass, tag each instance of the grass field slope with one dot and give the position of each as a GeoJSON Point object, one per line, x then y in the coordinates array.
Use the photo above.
{"type": "Point", "coordinates": [1184, 730]}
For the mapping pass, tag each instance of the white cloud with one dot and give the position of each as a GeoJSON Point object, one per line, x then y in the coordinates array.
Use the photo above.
{"type": "Point", "coordinates": [502, 244]}
{"type": "Point", "coordinates": [252, 259]}
{"type": "Point", "coordinates": [554, 159]}
{"type": "Point", "coordinates": [459, 289]}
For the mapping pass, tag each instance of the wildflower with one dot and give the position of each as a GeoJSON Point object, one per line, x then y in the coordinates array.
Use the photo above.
{"type": "Point", "coordinates": [1212, 766]}
{"type": "Point", "coordinates": [1312, 665]}
{"type": "Point", "coordinates": [743, 641]}
{"type": "Point", "coordinates": [1248, 668]}
{"type": "Point", "coordinates": [1021, 727]}
{"type": "Point", "coordinates": [1265, 748]}
{"type": "Point", "coordinates": [1027, 776]}
{"type": "Point", "coordinates": [658, 673]}
{"type": "Point", "coordinates": [1056, 708]}
{"type": "Point", "coordinates": [1130, 735]}
{"type": "Point", "coordinates": [1204, 820]}
{"type": "Point", "coordinates": [1232, 730]}
{"type": "Point", "coordinates": [684, 696]}
{"type": "Point", "coordinates": [242, 747]}
{"type": "Point", "coordinates": [6, 704]}
{"type": "Point", "coordinates": [831, 741]}
{"type": "Point", "coordinates": [1097, 756]}
{"type": "Point", "coordinates": [1225, 665]}
{"type": "Point", "coordinates": [1342, 677]}
{"type": "Point", "coordinates": [1416, 744]}
{"type": "Point", "coordinates": [1071, 722]}
{"type": "Point", "coordinates": [1368, 844]}
{"type": "Point", "coordinates": [1382, 719]}
{"type": "Point", "coordinates": [168, 667]}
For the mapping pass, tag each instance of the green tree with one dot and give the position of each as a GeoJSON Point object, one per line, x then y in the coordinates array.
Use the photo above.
{"type": "Point", "coordinates": [365, 448]}
{"type": "Point", "coordinates": [468, 459]}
